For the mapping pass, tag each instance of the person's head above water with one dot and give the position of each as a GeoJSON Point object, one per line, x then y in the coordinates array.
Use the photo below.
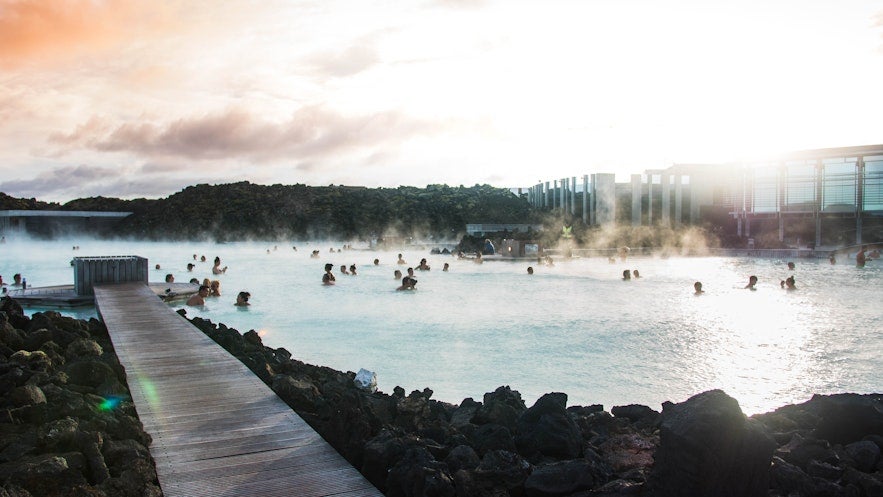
{"type": "Point", "coordinates": [752, 280]}
{"type": "Point", "coordinates": [698, 287]}
{"type": "Point", "coordinates": [329, 267]}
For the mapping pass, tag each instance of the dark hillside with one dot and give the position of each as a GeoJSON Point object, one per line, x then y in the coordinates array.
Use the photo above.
{"type": "Point", "coordinates": [24, 204]}
{"type": "Point", "coordinates": [247, 211]}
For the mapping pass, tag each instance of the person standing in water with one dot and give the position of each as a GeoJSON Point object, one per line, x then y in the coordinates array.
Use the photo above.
{"type": "Point", "coordinates": [860, 258]}
{"type": "Point", "coordinates": [328, 278]}
{"type": "Point", "coordinates": [698, 288]}
{"type": "Point", "coordinates": [217, 269]}
{"type": "Point", "coordinates": [198, 298]}
{"type": "Point", "coordinates": [407, 284]}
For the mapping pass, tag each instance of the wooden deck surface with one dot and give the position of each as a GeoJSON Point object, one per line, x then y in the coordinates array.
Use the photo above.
{"type": "Point", "coordinates": [217, 429]}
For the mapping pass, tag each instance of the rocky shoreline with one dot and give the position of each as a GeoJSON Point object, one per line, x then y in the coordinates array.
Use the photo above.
{"type": "Point", "coordinates": [68, 428]}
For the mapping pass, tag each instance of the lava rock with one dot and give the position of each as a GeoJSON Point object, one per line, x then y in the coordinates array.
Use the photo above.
{"type": "Point", "coordinates": [708, 448]}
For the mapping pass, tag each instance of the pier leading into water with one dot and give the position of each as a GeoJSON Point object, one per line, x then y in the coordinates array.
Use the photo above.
{"type": "Point", "coordinates": [217, 429]}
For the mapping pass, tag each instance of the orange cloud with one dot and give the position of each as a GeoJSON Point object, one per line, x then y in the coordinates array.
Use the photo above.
{"type": "Point", "coordinates": [310, 133]}
{"type": "Point", "coordinates": [37, 29]}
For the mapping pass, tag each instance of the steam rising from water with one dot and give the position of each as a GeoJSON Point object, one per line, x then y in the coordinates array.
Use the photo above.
{"type": "Point", "coordinates": [575, 327]}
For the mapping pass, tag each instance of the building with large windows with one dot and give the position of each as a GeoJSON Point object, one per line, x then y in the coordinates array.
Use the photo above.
{"type": "Point", "coordinates": [830, 196]}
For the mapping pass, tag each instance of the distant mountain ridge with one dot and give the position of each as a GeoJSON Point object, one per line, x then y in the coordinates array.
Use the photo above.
{"type": "Point", "coordinates": [237, 211]}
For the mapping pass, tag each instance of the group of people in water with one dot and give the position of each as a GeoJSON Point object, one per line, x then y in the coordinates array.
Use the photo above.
{"type": "Point", "coordinates": [408, 282]}
{"type": "Point", "coordinates": [17, 281]}
{"type": "Point", "coordinates": [208, 288]}
{"type": "Point", "coordinates": [789, 283]}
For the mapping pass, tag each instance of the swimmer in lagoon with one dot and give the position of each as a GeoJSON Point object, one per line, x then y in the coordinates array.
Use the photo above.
{"type": "Point", "coordinates": [328, 278]}
{"type": "Point", "coordinates": [446, 267]}
{"type": "Point", "coordinates": [752, 280]}
{"type": "Point", "coordinates": [343, 269]}
{"type": "Point", "coordinates": [860, 257]}
{"type": "Point", "coordinates": [832, 259]}
{"type": "Point", "coordinates": [423, 266]}
{"type": "Point", "coordinates": [697, 287]}
{"type": "Point", "coordinates": [397, 275]}
{"type": "Point", "coordinates": [353, 269]}
{"type": "Point", "coordinates": [215, 288]}
{"type": "Point", "coordinates": [16, 279]}
{"type": "Point", "coordinates": [170, 278]}
{"type": "Point", "coordinates": [407, 284]}
{"type": "Point", "coordinates": [376, 262]}
{"type": "Point", "coordinates": [242, 299]}
{"type": "Point", "coordinates": [217, 267]}
{"type": "Point", "coordinates": [529, 269]}
{"type": "Point", "coordinates": [626, 275]}
{"type": "Point", "coordinates": [199, 297]}
{"type": "Point", "coordinates": [194, 281]}
{"type": "Point", "coordinates": [791, 266]}
{"type": "Point", "coordinates": [400, 260]}
{"type": "Point", "coordinates": [190, 267]}
{"type": "Point", "coordinates": [635, 274]}
{"type": "Point", "coordinates": [790, 283]}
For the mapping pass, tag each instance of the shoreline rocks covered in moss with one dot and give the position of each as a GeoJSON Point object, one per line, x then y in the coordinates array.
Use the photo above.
{"type": "Point", "coordinates": [68, 428]}
{"type": "Point", "coordinates": [67, 424]}
{"type": "Point", "coordinates": [412, 445]}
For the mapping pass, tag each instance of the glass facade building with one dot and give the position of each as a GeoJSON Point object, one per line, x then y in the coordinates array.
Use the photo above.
{"type": "Point", "coordinates": [812, 186]}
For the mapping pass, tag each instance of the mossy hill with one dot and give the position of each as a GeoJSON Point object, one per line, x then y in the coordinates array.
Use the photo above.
{"type": "Point", "coordinates": [238, 211]}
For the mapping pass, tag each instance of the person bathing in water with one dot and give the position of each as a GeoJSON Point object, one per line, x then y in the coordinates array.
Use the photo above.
{"type": "Point", "coordinates": [217, 269]}
{"type": "Point", "coordinates": [242, 299]}
{"type": "Point", "coordinates": [407, 284]}
{"type": "Point", "coordinates": [752, 281]}
{"type": "Point", "coordinates": [199, 297]}
{"type": "Point", "coordinates": [328, 278]}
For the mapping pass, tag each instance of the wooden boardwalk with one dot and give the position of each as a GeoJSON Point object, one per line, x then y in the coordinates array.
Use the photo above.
{"type": "Point", "coordinates": [217, 429]}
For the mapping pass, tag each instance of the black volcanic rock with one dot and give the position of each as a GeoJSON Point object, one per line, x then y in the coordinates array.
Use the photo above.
{"type": "Point", "coordinates": [708, 448]}
{"type": "Point", "coordinates": [412, 445]}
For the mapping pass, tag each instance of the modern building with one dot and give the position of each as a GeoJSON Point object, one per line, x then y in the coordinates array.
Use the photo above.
{"type": "Point", "coordinates": [48, 224]}
{"type": "Point", "coordinates": [821, 196]}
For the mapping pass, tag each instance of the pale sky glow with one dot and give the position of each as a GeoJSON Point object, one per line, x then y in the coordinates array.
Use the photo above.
{"type": "Point", "coordinates": [132, 98]}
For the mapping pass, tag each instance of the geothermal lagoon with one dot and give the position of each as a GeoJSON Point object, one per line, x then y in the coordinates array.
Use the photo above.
{"type": "Point", "coordinates": [575, 327]}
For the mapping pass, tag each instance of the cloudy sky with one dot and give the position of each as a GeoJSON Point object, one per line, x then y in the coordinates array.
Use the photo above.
{"type": "Point", "coordinates": [140, 98]}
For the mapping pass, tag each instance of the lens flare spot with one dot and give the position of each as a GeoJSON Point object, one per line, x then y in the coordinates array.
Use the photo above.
{"type": "Point", "coordinates": [110, 403]}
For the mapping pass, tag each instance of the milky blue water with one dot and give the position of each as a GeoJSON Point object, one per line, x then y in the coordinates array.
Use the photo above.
{"type": "Point", "coordinates": [575, 327]}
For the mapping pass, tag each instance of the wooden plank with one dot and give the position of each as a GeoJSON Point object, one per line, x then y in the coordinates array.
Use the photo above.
{"type": "Point", "coordinates": [217, 429]}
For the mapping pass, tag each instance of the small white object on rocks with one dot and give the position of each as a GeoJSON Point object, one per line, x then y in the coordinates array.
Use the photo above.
{"type": "Point", "coordinates": [366, 380]}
